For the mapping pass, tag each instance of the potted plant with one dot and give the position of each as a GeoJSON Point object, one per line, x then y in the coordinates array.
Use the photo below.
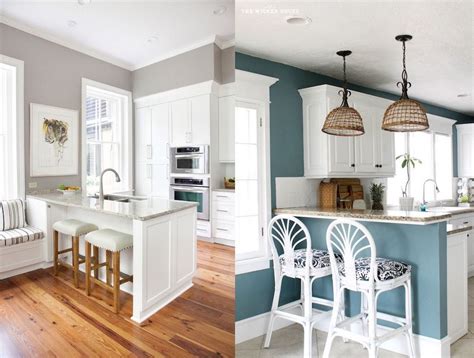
{"type": "Point", "coordinates": [406, 202]}
{"type": "Point", "coordinates": [376, 193]}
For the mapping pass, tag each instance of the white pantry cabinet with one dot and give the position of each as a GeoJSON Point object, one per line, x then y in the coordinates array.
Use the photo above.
{"type": "Point", "coordinates": [152, 150]}
{"type": "Point", "coordinates": [465, 150]}
{"type": "Point", "coordinates": [372, 154]}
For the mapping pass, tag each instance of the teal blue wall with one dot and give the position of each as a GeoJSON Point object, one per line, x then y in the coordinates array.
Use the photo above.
{"type": "Point", "coordinates": [254, 290]}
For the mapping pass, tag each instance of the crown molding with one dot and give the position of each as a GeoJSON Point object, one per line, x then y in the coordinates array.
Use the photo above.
{"type": "Point", "coordinates": [68, 44]}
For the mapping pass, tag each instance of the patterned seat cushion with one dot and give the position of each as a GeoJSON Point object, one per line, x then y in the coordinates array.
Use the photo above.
{"type": "Point", "coordinates": [386, 269]}
{"type": "Point", "coordinates": [12, 214]}
{"type": "Point", "coordinates": [320, 259]}
{"type": "Point", "coordinates": [20, 235]}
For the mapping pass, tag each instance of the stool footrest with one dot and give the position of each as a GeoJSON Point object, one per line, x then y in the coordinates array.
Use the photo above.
{"type": "Point", "coordinates": [64, 251]}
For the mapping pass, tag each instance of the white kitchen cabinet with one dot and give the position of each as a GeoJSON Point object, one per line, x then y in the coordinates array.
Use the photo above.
{"type": "Point", "coordinates": [461, 220]}
{"type": "Point", "coordinates": [465, 134]}
{"type": "Point", "coordinates": [223, 217]}
{"type": "Point", "coordinates": [227, 129]}
{"type": "Point", "coordinates": [457, 286]}
{"type": "Point", "coordinates": [152, 150]}
{"type": "Point", "coordinates": [369, 155]}
{"type": "Point", "coordinates": [191, 121]}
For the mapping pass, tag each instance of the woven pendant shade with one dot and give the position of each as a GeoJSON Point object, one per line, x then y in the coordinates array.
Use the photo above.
{"type": "Point", "coordinates": [343, 121]}
{"type": "Point", "coordinates": [405, 115]}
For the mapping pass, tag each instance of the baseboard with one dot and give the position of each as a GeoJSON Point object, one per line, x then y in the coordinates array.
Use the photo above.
{"type": "Point", "coordinates": [25, 269]}
{"type": "Point", "coordinates": [256, 326]}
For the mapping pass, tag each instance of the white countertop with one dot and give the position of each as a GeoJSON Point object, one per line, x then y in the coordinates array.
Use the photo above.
{"type": "Point", "coordinates": [146, 209]}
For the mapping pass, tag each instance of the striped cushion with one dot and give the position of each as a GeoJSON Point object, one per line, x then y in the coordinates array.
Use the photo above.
{"type": "Point", "coordinates": [12, 214]}
{"type": "Point", "coordinates": [19, 236]}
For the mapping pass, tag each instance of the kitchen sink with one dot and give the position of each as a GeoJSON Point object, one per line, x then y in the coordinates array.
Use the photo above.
{"type": "Point", "coordinates": [118, 198]}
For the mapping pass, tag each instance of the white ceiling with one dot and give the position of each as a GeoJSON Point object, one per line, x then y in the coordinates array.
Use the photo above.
{"type": "Point", "coordinates": [118, 31]}
{"type": "Point", "coordinates": [439, 58]}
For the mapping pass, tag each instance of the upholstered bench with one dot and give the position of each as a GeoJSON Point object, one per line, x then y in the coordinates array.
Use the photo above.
{"type": "Point", "coordinates": [21, 245]}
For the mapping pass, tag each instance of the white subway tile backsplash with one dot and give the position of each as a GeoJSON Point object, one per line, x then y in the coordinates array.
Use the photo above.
{"type": "Point", "coordinates": [296, 192]}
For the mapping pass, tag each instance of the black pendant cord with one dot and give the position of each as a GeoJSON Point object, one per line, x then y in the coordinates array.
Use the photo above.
{"type": "Point", "coordinates": [345, 92]}
{"type": "Point", "coordinates": [404, 83]}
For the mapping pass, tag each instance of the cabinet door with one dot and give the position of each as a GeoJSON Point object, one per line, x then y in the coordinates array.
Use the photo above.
{"type": "Point", "coordinates": [341, 155]}
{"type": "Point", "coordinates": [365, 151]}
{"type": "Point", "coordinates": [200, 109]}
{"type": "Point", "coordinates": [227, 129]}
{"type": "Point", "coordinates": [143, 135]}
{"type": "Point", "coordinates": [180, 123]}
{"type": "Point", "coordinates": [160, 133]}
{"type": "Point", "coordinates": [465, 150]}
{"type": "Point", "coordinates": [161, 181]}
{"type": "Point", "coordinates": [385, 150]}
{"type": "Point", "coordinates": [143, 178]}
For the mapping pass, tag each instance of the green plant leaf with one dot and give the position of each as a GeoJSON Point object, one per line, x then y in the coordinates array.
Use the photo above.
{"type": "Point", "coordinates": [404, 163]}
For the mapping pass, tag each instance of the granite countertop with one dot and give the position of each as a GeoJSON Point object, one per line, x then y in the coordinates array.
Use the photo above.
{"type": "Point", "coordinates": [459, 229]}
{"type": "Point", "coordinates": [139, 208]}
{"type": "Point", "coordinates": [407, 217]}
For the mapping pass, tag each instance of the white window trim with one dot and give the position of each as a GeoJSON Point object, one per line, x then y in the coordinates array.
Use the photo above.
{"type": "Point", "coordinates": [20, 122]}
{"type": "Point", "coordinates": [128, 130]}
{"type": "Point", "coordinates": [255, 88]}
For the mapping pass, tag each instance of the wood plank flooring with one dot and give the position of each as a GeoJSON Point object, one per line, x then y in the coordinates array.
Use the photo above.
{"type": "Point", "coordinates": [45, 316]}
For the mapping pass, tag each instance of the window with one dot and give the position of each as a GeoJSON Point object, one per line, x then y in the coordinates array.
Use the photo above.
{"type": "Point", "coordinates": [12, 176]}
{"type": "Point", "coordinates": [106, 137]}
{"type": "Point", "coordinates": [434, 149]}
{"type": "Point", "coordinates": [252, 170]}
{"type": "Point", "coordinates": [248, 178]}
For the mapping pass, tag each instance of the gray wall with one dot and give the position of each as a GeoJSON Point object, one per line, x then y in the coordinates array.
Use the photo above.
{"type": "Point", "coordinates": [53, 77]}
{"type": "Point", "coordinates": [202, 64]}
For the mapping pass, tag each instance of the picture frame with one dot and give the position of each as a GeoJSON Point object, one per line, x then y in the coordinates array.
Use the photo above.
{"type": "Point", "coordinates": [54, 141]}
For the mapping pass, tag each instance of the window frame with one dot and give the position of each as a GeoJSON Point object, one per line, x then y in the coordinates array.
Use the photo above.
{"type": "Point", "coordinates": [126, 147]}
{"type": "Point", "coordinates": [441, 126]}
{"type": "Point", "coordinates": [19, 125]}
{"type": "Point", "coordinates": [253, 88]}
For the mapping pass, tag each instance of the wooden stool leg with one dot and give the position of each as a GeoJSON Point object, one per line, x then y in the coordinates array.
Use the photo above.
{"type": "Point", "coordinates": [96, 261]}
{"type": "Point", "coordinates": [116, 266]}
{"type": "Point", "coordinates": [88, 268]}
{"type": "Point", "coordinates": [55, 249]}
{"type": "Point", "coordinates": [75, 258]}
{"type": "Point", "coordinates": [108, 266]}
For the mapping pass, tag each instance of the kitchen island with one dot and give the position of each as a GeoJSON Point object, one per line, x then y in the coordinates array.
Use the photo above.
{"type": "Point", "coordinates": [439, 270]}
{"type": "Point", "coordinates": [163, 257]}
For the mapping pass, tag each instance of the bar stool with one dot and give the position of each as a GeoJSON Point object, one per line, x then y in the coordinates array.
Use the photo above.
{"type": "Point", "coordinates": [75, 229]}
{"type": "Point", "coordinates": [293, 257]}
{"type": "Point", "coordinates": [113, 242]}
{"type": "Point", "coordinates": [371, 276]}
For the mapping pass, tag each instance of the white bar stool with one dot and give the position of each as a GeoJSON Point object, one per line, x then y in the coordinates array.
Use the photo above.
{"type": "Point", "coordinates": [75, 229]}
{"type": "Point", "coordinates": [291, 259]}
{"type": "Point", "coordinates": [113, 242]}
{"type": "Point", "coordinates": [370, 276]}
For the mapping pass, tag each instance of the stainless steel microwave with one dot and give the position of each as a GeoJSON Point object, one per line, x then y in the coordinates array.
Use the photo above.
{"type": "Point", "coordinates": [190, 160]}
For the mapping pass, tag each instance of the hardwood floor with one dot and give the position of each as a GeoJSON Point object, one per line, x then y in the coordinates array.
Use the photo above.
{"type": "Point", "coordinates": [42, 315]}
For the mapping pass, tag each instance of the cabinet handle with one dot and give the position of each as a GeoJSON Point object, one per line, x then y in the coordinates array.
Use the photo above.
{"type": "Point", "coordinates": [466, 222]}
{"type": "Point", "coordinates": [149, 151]}
{"type": "Point", "coordinates": [220, 229]}
{"type": "Point", "coordinates": [222, 196]}
{"type": "Point", "coordinates": [222, 211]}
{"type": "Point", "coordinates": [149, 169]}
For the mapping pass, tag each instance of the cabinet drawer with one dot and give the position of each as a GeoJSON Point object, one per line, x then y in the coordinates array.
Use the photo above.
{"type": "Point", "coordinates": [203, 228]}
{"type": "Point", "coordinates": [225, 211]}
{"type": "Point", "coordinates": [457, 221]}
{"type": "Point", "coordinates": [223, 229]}
{"type": "Point", "coordinates": [223, 196]}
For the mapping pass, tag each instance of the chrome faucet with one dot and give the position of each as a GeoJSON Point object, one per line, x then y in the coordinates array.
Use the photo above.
{"type": "Point", "coordinates": [424, 187]}
{"type": "Point", "coordinates": [101, 186]}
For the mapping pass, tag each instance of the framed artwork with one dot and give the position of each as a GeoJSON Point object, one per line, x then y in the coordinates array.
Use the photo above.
{"type": "Point", "coordinates": [54, 141]}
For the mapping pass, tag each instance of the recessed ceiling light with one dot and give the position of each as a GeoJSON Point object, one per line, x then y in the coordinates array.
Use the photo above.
{"type": "Point", "coordinates": [462, 95]}
{"type": "Point", "coordinates": [298, 20]}
{"type": "Point", "coordinates": [152, 39]}
{"type": "Point", "coordinates": [219, 10]}
{"type": "Point", "coordinates": [71, 23]}
{"type": "Point", "coordinates": [84, 2]}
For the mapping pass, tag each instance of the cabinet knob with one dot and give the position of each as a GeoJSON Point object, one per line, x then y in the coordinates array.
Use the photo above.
{"type": "Point", "coordinates": [353, 165]}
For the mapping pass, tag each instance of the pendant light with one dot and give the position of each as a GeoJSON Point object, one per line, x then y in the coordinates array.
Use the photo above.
{"type": "Point", "coordinates": [405, 115]}
{"type": "Point", "coordinates": [344, 120]}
